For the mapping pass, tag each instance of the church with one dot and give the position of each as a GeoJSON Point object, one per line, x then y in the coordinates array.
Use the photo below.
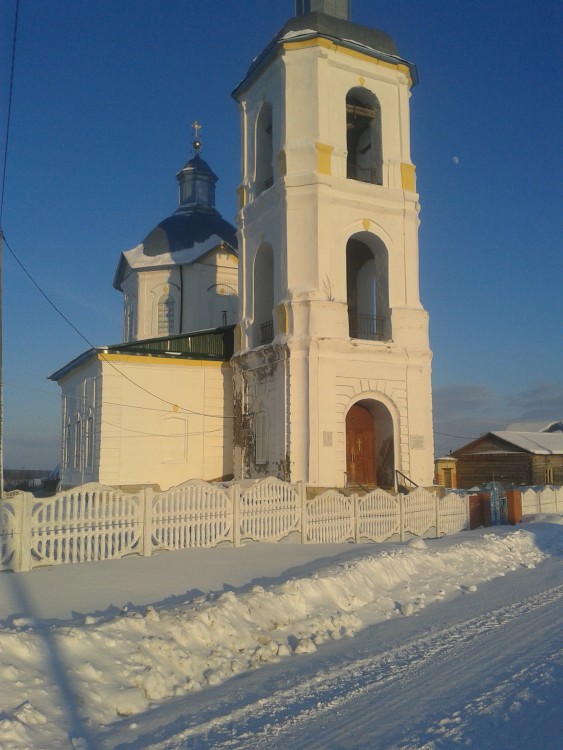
{"type": "Point", "coordinates": [296, 345]}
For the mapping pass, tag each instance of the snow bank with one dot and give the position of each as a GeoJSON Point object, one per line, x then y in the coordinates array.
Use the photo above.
{"type": "Point", "coordinates": [119, 667]}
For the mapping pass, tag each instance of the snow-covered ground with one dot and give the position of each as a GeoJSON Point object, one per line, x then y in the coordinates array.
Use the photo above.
{"type": "Point", "coordinates": [431, 644]}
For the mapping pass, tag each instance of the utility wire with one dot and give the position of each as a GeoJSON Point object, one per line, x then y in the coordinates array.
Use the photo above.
{"type": "Point", "coordinates": [84, 400]}
{"type": "Point", "coordinates": [461, 437]}
{"type": "Point", "coordinates": [100, 354]}
{"type": "Point", "coordinates": [9, 116]}
{"type": "Point", "coordinates": [4, 169]}
{"type": "Point", "coordinates": [141, 433]}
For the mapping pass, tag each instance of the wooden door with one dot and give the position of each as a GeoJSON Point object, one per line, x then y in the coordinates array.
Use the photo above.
{"type": "Point", "coordinates": [360, 438]}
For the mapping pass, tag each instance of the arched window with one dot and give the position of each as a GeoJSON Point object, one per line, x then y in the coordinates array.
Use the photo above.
{"type": "Point", "coordinates": [165, 315]}
{"type": "Point", "coordinates": [90, 439]}
{"type": "Point", "coordinates": [264, 149]}
{"type": "Point", "coordinates": [77, 441]}
{"type": "Point", "coordinates": [367, 286]}
{"type": "Point", "coordinates": [263, 328]}
{"type": "Point", "coordinates": [363, 137]}
{"type": "Point", "coordinates": [130, 313]}
{"type": "Point", "coordinates": [67, 441]}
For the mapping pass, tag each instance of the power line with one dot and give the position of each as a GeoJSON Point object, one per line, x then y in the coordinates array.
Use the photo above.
{"type": "Point", "coordinates": [461, 437]}
{"type": "Point", "coordinates": [9, 116]}
{"type": "Point", "coordinates": [4, 169]}
{"type": "Point", "coordinates": [84, 400]}
{"type": "Point", "coordinates": [141, 433]}
{"type": "Point", "coordinates": [101, 354]}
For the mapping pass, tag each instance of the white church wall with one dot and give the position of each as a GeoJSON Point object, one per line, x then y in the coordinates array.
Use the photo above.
{"type": "Point", "coordinates": [80, 435]}
{"type": "Point", "coordinates": [137, 437]}
{"type": "Point", "coordinates": [150, 441]}
{"type": "Point", "coordinates": [210, 292]}
{"type": "Point", "coordinates": [205, 296]}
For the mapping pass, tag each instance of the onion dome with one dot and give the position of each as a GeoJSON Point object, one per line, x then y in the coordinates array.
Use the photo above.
{"type": "Point", "coordinates": [193, 230]}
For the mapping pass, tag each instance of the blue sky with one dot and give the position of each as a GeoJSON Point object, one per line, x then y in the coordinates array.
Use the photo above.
{"type": "Point", "coordinates": [104, 95]}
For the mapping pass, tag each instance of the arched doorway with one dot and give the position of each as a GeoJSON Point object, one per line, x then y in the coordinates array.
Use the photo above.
{"type": "Point", "coordinates": [370, 454]}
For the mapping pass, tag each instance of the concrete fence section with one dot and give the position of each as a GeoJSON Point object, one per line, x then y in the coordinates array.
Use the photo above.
{"type": "Point", "coordinates": [544, 500]}
{"type": "Point", "coordinates": [94, 522]}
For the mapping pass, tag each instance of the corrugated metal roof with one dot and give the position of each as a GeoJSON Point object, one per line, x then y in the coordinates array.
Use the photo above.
{"type": "Point", "coordinates": [216, 344]}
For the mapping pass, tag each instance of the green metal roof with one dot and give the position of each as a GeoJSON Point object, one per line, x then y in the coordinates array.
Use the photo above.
{"type": "Point", "coordinates": [215, 344]}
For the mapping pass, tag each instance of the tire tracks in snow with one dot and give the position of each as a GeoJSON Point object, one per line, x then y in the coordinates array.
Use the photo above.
{"type": "Point", "coordinates": [260, 722]}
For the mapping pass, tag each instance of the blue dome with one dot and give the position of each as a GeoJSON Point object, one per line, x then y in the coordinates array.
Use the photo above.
{"type": "Point", "coordinates": [186, 229]}
{"type": "Point", "coordinates": [193, 230]}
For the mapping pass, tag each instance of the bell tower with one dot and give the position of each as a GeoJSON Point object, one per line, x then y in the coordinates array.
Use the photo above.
{"type": "Point", "coordinates": [332, 359]}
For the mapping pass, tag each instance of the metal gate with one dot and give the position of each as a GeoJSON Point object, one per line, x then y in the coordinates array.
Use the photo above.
{"type": "Point", "coordinates": [499, 507]}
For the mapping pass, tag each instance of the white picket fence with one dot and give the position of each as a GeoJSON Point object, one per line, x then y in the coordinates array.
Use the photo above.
{"type": "Point", "coordinates": [544, 500]}
{"type": "Point", "coordinates": [94, 522]}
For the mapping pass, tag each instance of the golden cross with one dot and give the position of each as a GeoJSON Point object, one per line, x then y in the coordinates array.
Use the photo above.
{"type": "Point", "coordinates": [196, 128]}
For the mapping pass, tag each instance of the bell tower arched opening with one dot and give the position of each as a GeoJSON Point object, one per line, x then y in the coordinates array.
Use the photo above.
{"type": "Point", "coordinates": [263, 327]}
{"type": "Point", "coordinates": [370, 453]}
{"type": "Point", "coordinates": [367, 288]}
{"type": "Point", "coordinates": [264, 149]}
{"type": "Point", "coordinates": [363, 137]}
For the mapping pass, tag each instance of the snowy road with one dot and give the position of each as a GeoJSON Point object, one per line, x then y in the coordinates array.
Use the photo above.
{"type": "Point", "coordinates": [453, 642]}
{"type": "Point", "coordinates": [483, 671]}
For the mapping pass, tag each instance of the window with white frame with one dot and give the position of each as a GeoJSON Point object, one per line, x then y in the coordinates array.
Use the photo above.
{"type": "Point", "coordinates": [77, 441]}
{"type": "Point", "coordinates": [67, 439]}
{"type": "Point", "coordinates": [165, 315]}
{"type": "Point", "coordinates": [90, 439]}
{"type": "Point", "coordinates": [130, 314]}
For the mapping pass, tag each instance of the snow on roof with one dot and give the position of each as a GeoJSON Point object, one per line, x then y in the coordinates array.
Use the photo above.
{"type": "Point", "coordinates": [298, 33]}
{"type": "Point", "coordinates": [136, 257]}
{"type": "Point", "coordinates": [535, 426]}
{"type": "Point", "coordinates": [543, 443]}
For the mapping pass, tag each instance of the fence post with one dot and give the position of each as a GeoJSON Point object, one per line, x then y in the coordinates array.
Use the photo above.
{"type": "Point", "coordinates": [146, 502]}
{"type": "Point", "coordinates": [302, 491]}
{"type": "Point", "coordinates": [514, 506]}
{"type": "Point", "coordinates": [234, 491]}
{"type": "Point", "coordinates": [356, 505]}
{"type": "Point", "coordinates": [401, 517]}
{"type": "Point", "coordinates": [467, 513]}
{"type": "Point", "coordinates": [437, 508]}
{"type": "Point", "coordinates": [23, 507]}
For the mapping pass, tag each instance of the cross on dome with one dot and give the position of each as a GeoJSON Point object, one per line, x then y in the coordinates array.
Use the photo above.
{"type": "Point", "coordinates": [196, 127]}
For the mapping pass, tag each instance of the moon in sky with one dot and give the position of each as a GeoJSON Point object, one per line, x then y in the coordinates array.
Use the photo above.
{"type": "Point", "coordinates": [455, 159]}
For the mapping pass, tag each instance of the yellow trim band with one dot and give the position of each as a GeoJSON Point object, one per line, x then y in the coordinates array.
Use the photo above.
{"type": "Point", "coordinates": [408, 177]}
{"type": "Point", "coordinates": [281, 314]}
{"type": "Point", "coordinates": [155, 360]}
{"type": "Point", "coordinates": [324, 158]}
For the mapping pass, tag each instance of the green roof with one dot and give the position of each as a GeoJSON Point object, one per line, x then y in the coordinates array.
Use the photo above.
{"type": "Point", "coordinates": [215, 344]}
